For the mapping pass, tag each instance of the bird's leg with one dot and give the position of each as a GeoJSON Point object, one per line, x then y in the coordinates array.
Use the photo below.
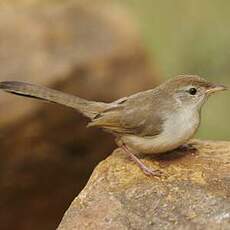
{"type": "Point", "coordinates": [142, 166]}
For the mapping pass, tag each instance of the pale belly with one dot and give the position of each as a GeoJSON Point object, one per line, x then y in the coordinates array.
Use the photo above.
{"type": "Point", "coordinates": [177, 130]}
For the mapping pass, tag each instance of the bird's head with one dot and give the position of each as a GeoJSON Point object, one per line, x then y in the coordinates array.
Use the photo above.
{"type": "Point", "coordinates": [191, 90]}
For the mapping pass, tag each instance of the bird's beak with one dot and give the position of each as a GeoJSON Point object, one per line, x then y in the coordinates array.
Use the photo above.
{"type": "Point", "coordinates": [216, 88]}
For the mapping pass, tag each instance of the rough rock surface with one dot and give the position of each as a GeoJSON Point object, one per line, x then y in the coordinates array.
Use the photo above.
{"type": "Point", "coordinates": [47, 154]}
{"type": "Point", "coordinates": [194, 192]}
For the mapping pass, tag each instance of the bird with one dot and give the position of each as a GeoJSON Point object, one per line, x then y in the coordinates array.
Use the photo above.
{"type": "Point", "coordinates": [154, 121]}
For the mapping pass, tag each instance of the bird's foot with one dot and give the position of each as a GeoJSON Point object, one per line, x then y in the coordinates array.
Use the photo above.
{"type": "Point", "coordinates": [187, 148]}
{"type": "Point", "coordinates": [150, 172]}
{"type": "Point", "coordinates": [146, 170]}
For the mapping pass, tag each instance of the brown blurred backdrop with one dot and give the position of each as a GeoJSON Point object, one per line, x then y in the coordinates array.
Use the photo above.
{"type": "Point", "coordinates": [47, 154]}
{"type": "Point", "coordinates": [100, 51]}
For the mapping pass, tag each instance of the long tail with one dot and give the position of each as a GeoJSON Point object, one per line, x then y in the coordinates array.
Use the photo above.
{"type": "Point", "coordinates": [88, 108]}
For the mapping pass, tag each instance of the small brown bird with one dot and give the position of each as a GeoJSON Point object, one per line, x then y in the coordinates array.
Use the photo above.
{"type": "Point", "coordinates": [148, 122]}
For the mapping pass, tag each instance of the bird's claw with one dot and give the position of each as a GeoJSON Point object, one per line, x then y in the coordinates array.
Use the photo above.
{"type": "Point", "coordinates": [187, 147]}
{"type": "Point", "coordinates": [152, 172]}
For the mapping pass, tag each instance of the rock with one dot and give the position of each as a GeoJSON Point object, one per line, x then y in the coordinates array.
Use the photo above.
{"type": "Point", "coordinates": [193, 193]}
{"type": "Point", "coordinates": [47, 154]}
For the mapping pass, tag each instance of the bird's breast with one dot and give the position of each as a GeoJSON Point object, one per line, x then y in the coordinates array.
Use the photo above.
{"type": "Point", "coordinates": [181, 125]}
{"type": "Point", "coordinates": [178, 128]}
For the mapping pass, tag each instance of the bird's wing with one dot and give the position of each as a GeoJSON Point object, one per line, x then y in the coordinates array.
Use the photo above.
{"type": "Point", "coordinates": [137, 115]}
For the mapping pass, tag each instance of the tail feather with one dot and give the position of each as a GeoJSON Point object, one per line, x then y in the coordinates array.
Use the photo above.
{"type": "Point", "coordinates": [88, 108]}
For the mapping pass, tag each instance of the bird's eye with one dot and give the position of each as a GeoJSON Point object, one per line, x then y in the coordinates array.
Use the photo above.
{"type": "Point", "coordinates": [192, 91]}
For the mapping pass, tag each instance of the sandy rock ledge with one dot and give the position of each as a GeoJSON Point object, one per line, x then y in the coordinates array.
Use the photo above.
{"type": "Point", "coordinates": [192, 194]}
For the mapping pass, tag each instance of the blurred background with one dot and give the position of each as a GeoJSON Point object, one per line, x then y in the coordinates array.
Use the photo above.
{"type": "Point", "coordinates": [100, 51]}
